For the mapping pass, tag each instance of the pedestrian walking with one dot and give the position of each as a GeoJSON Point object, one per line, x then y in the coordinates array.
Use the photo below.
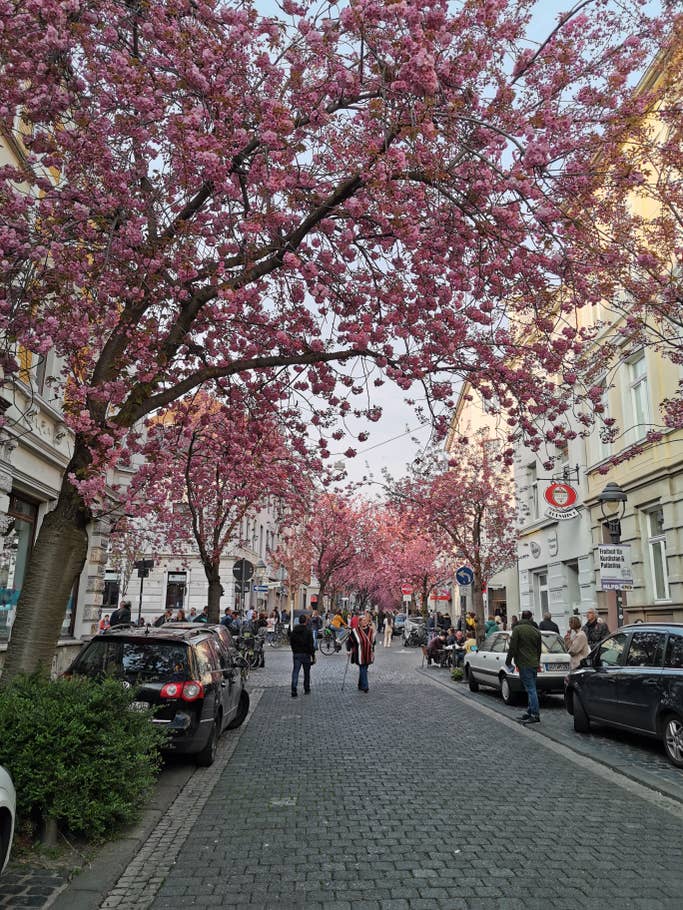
{"type": "Point", "coordinates": [490, 626]}
{"type": "Point", "coordinates": [303, 654]}
{"type": "Point", "coordinates": [180, 616]}
{"type": "Point", "coordinates": [121, 617]}
{"type": "Point", "coordinates": [594, 628]}
{"type": "Point", "coordinates": [360, 643]}
{"type": "Point", "coordinates": [166, 616]}
{"type": "Point", "coordinates": [388, 629]}
{"type": "Point", "coordinates": [547, 624]}
{"type": "Point", "coordinates": [525, 653]}
{"type": "Point", "coordinates": [576, 643]}
{"type": "Point", "coordinates": [315, 625]}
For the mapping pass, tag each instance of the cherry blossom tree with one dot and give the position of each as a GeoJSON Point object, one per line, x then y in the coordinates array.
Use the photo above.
{"type": "Point", "coordinates": [331, 536]}
{"type": "Point", "coordinates": [214, 463]}
{"type": "Point", "coordinates": [469, 508]}
{"type": "Point", "coordinates": [336, 194]}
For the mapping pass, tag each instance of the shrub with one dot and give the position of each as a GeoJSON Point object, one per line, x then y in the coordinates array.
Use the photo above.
{"type": "Point", "coordinates": [456, 674]}
{"type": "Point", "coordinates": [77, 753]}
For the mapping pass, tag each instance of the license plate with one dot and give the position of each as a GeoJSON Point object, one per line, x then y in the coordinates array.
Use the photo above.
{"type": "Point", "coordinates": [139, 706]}
{"type": "Point", "coordinates": [557, 668]}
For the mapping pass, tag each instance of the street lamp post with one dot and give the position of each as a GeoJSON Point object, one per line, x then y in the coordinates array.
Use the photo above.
{"type": "Point", "coordinates": [613, 507]}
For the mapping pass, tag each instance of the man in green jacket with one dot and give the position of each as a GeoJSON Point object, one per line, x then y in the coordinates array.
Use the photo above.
{"type": "Point", "coordinates": [525, 652]}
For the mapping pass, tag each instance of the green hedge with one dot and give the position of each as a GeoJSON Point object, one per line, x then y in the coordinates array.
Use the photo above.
{"type": "Point", "coordinates": [76, 752]}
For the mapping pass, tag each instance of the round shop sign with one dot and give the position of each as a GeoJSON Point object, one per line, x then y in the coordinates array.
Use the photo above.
{"type": "Point", "coordinates": [560, 495]}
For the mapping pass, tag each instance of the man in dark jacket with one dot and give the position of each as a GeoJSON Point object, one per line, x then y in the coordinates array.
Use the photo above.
{"type": "Point", "coordinates": [121, 617]}
{"type": "Point", "coordinates": [547, 624]}
{"type": "Point", "coordinates": [594, 628]}
{"type": "Point", "coordinates": [525, 652]}
{"type": "Point", "coordinates": [301, 641]}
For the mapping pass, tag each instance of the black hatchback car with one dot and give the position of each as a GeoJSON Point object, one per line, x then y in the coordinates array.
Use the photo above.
{"type": "Point", "coordinates": [633, 680]}
{"type": "Point", "coordinates": [189, 674]}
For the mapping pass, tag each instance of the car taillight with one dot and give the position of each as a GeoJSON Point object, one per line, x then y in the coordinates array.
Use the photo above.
{"type": "Point", "coordinates": [192, 691]}
{"type": "Point", "coordinates": [172, 690]}
{"type": "Point", "coordinates": [188, 691]}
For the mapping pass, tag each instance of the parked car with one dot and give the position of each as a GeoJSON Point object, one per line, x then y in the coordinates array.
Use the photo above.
{"type": "Point", "coordinates": [8, 808]}
{"type": "Point", "coordinates": [633, 680]}
{"type": "Point", "coordinates": [189, 673]}
{"type": "Point", "coordinates": [486, 666]}
{"type": "Point", "coordinates": [399, 623]}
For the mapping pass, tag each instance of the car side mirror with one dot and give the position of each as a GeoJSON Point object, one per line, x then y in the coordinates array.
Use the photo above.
{"type": "Point", "coordinates": [586, 662]}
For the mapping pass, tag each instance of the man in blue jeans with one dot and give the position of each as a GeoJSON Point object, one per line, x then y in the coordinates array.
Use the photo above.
{"type": "Point", "coordinates": [303, 651]}
{"type": "Point", "coordinates": [525, 652]}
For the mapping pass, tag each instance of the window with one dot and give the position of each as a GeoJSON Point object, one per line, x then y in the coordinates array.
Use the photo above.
{"type": "Point", "coordinates": [611, 651]}
{"type": "Point", "coordinates": [639, 399]}
{"type": "Point", "coordinates": [18, 542]}
{"type": "Point", "coordinates": [499, 643]}
{"type": "Point", "coordinates": [674, 652]}
{"type": "Point", "coordinates": [657, 549]}
{"type": "Point", "coordinates": [646, 650]}
{"type": "Point", "coordinates": [207, 659]}
{"type": "Point", "coordinates": [604, 448]}
{"type": "Point", "coordinates": [532, 491]}
{"type": "Point", "coordinates": [175, 590]}
{"type": "Point", "coordinates": [541, 591]}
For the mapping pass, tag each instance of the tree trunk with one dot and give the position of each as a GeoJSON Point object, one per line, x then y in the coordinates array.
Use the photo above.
{"type": "Point", "coordinates": [478, 604]}
{"type": "Point", "coordinates": [215, 591]}
{"type": "Point", "coordinates": [56, 561]}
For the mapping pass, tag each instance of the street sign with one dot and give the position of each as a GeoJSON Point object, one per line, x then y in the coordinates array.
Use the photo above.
{"type": "Point", "coordinates": [464, 576]}
{"type": "Point", "coordinates": [561, 499]}
{"type": "Point", "coordinates": [143, 573]}
{"type": "Point", "coordinates": [406, 589]}
{"type": "Point", "coordinates": [243, 570]}
{"type": "Point", "coordinates": [144, 564]}
{"type": "Point", "coordinates": [440, 594]}
{"type": "Point", "coordinates": [260, 588]}
{"type": "Point", "coordinates": [616, 573]}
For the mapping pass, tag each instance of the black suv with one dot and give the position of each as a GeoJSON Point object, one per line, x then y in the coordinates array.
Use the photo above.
{"type": "Point", "coordinates": [190, 674]}
{"type": "Point", "coordinates": [633, 680]}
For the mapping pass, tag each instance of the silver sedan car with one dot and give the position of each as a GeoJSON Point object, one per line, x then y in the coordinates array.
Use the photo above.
{"type": "Point", "coordinates": [487, 667]}
{"type": "Point", "coordinates": [8, 805]}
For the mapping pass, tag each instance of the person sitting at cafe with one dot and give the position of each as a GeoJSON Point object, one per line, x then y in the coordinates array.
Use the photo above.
{"type": "Point", "coordinates": [435, 649]}
{"type": "Point", "coordinates": [457, 640]}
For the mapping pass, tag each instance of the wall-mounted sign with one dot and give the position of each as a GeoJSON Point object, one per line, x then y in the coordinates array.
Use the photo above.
{"type": "Point", "coordinates": [561, 499]}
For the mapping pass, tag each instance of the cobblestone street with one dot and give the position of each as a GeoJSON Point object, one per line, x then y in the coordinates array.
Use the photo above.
{"type": "Point", "coordinates": [417, 795]}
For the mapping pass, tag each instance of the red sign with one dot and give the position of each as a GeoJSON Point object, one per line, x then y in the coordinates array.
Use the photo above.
{"type": "Point", "coordinates": [560, 495]}
{"type": "Point", "coordinates": [440, 594]}
{"type": "Point", "coordinates": [314, 598]}
{"type": "Point", "coordinates": [406, 589]}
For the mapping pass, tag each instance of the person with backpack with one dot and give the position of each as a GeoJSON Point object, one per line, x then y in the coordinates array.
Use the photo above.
{"type": "Point", "coordinates": [303, 654]}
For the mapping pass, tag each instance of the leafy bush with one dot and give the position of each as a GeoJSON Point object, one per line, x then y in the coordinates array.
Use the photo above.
{"type": "Point", "coordinates": [77, 753]}
{"type": "Point", "coordinates": [456, 674]}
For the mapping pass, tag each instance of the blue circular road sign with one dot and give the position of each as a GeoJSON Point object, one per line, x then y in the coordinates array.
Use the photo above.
{"type": "Point", "coordinates": [464, 575]}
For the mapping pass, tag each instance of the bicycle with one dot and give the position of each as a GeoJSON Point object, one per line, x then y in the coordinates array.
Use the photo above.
{"type": "Point", "coordinates": [329, 643]}
{"type": "Point", "coordinates": [278, 638]}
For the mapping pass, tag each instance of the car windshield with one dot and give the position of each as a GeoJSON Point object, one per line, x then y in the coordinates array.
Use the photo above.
{"type": "Point", "coordinates": [134, 660]}
{"type": "Point", "coordinates": [552, 644]}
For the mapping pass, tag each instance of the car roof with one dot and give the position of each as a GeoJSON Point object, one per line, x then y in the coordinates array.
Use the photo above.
{"type": "Point", "coordinates": [167, 632]}
{"type": "Point", "coordinates": [654, 626]}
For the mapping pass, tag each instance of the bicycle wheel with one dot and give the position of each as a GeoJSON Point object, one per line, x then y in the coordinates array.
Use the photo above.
{"type": "Point", "coordinates": [326, 645]}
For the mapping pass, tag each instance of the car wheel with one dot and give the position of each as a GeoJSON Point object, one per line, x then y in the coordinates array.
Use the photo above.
{"type": "Point", "coordinates": [582, 723]}
{"type": "Point", "coordinates": [673, 740]}
{"type": "Point", "coordinates": [242, 711]}
{"type": "Point", "coordinates": [506, 693]}
{"type": "Point", "coordinates": [207, 756]}
{"type": "Point", "coordinates": [471, 681]}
